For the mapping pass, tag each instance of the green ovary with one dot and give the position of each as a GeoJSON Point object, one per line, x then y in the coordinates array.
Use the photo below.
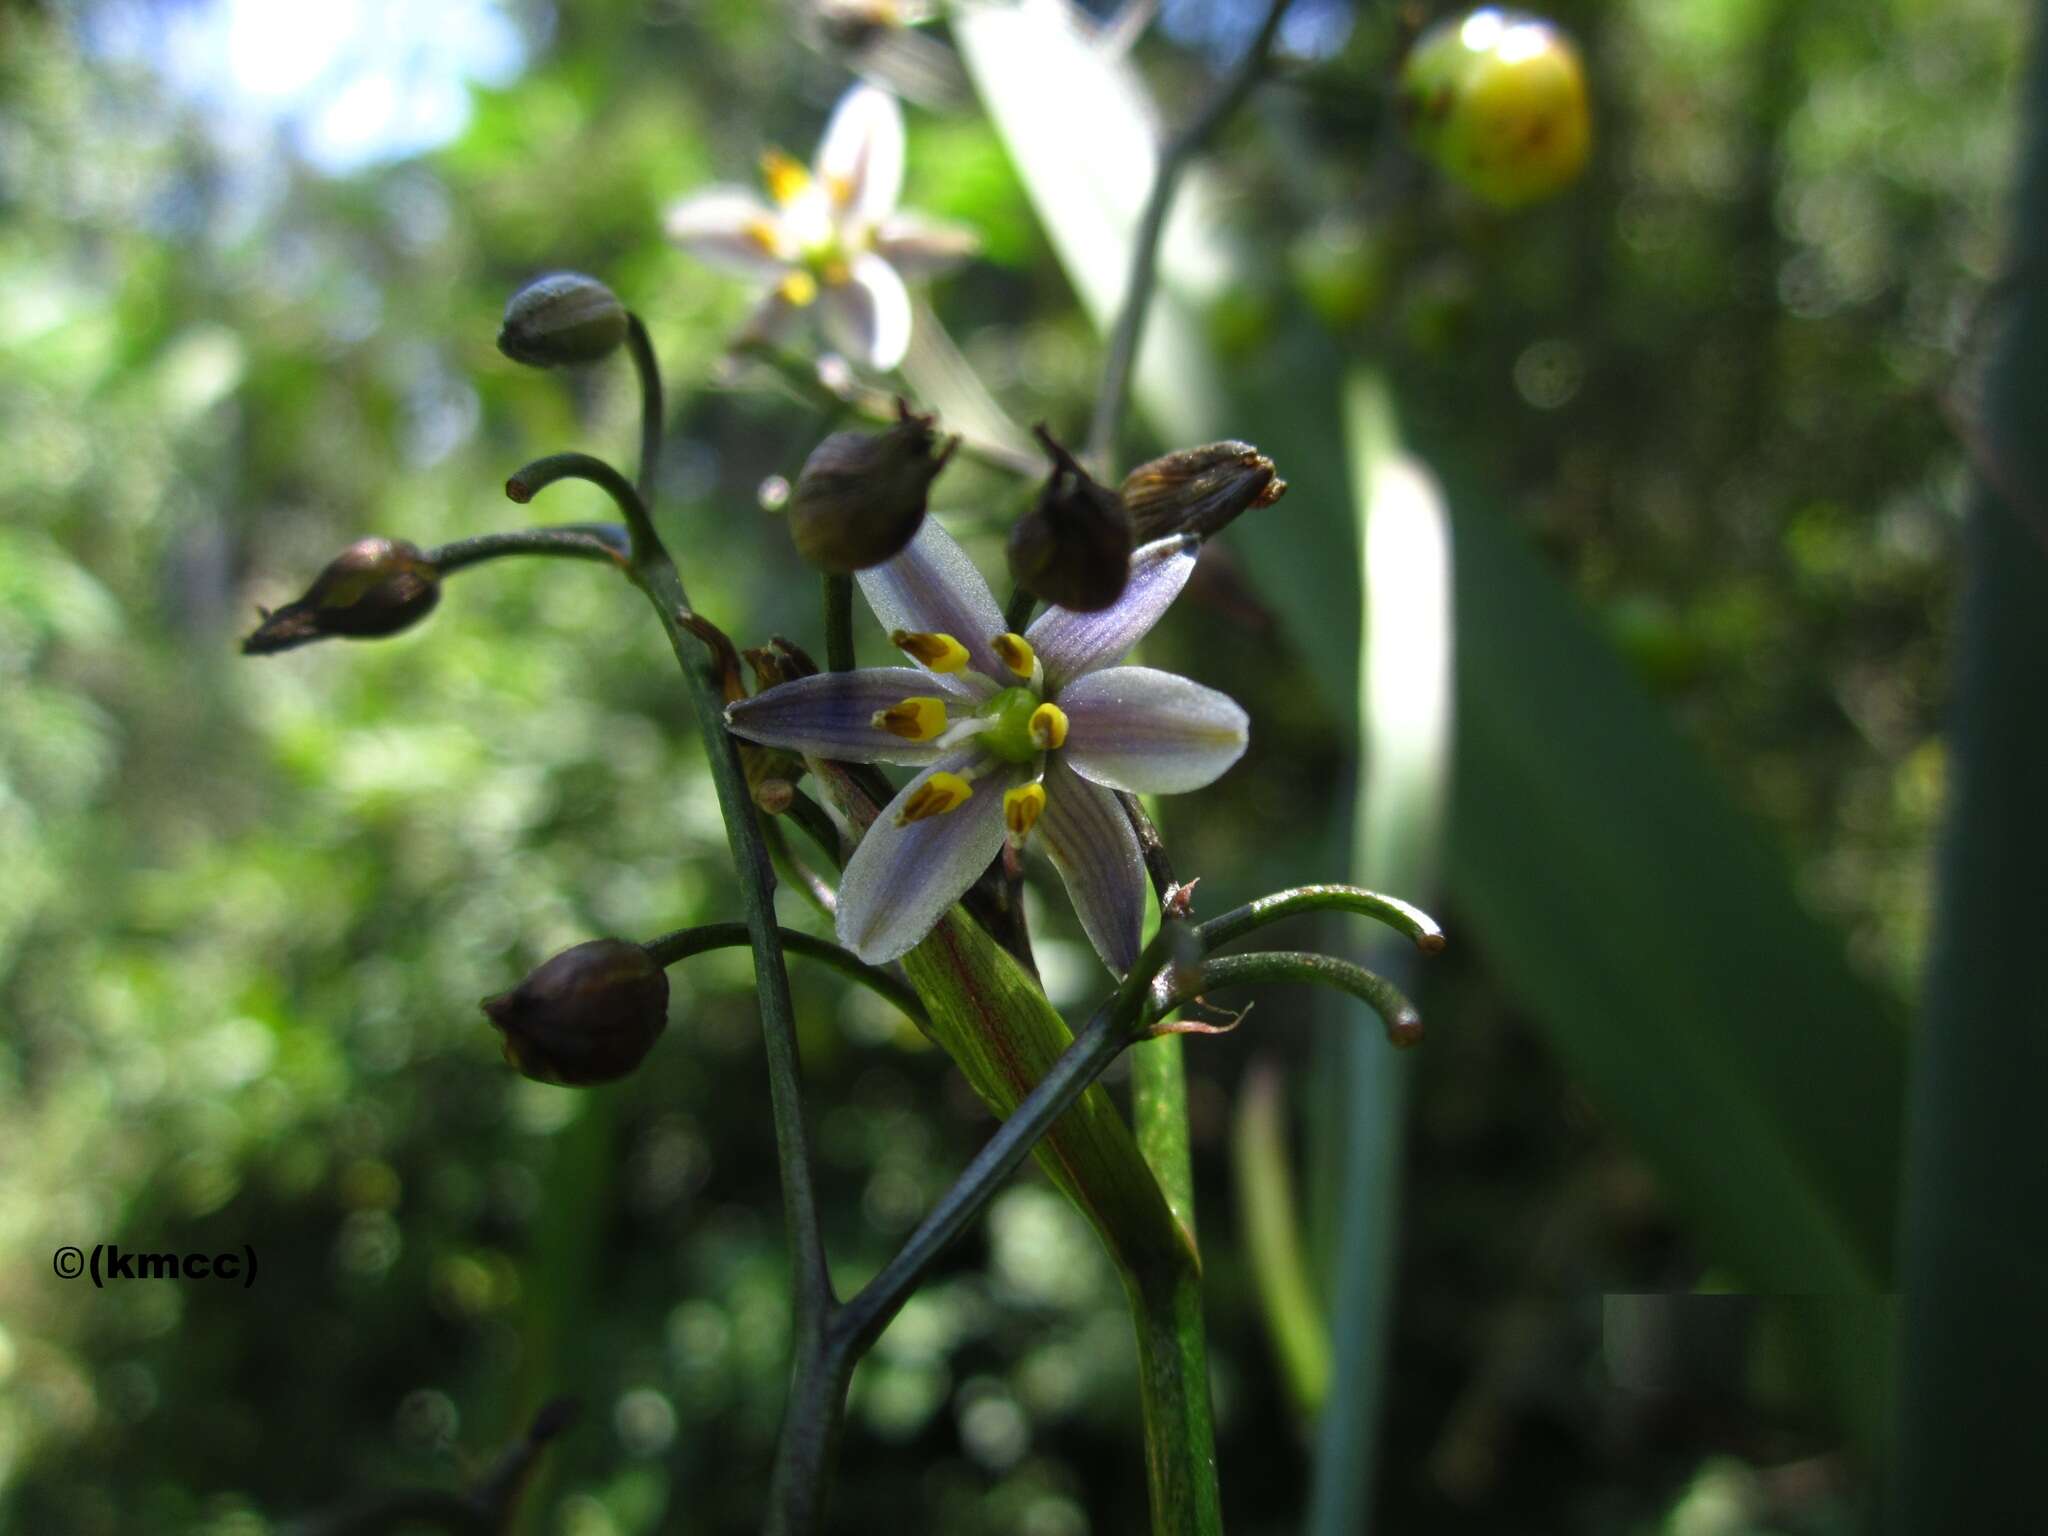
{"type": "Point", "coordinates": [1008, 733]}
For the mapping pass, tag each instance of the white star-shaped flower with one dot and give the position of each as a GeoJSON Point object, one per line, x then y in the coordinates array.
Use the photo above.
{"type": "Point", "coordinates": [829, 236]}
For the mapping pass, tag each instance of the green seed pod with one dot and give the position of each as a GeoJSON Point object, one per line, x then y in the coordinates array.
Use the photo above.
{"type": "Point", "coordinates": [375, 587]}
{"type": "Point", "coordinates": [1497, 99]}
{"type": "Point", "coordinates": [861, 496]}
{"type": "Point", "coordinates": [589, 1015]}
{"type": "Point", "coordinates": [1199, 490]}
{"type": "Point", "coordinates": [1074, 547]}
{"type": "Point", "coordinates": [563, 318]}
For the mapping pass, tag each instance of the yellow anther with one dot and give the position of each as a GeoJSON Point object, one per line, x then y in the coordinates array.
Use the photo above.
{"type": "Point", "coordinates": [787, 179]}
{"type": "Point", "coordinates": [1022, 807]}
{"type": "Point", "coordinates": [765, 233]}
{"type": "Point", "coordinates": [1048, 727]}
{"type": "Point", "coordinates": [835, 273]}
{"type": "Point", "coordinates": [840, 190]}
{"type": "Point", "coordinates": [799, 288]}
{"type": "Point", "coordinates": [914, 719]}
{"type": "Point", "coordinates": [941, 653]}
{"type": "Point", "coordinates": [1015, 652]}
{"type": "Point", "coordinates": [940, 793]}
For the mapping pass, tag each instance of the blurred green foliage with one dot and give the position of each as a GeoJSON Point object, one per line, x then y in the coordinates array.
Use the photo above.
{"type": "Point", "coordinates": [247, 906]}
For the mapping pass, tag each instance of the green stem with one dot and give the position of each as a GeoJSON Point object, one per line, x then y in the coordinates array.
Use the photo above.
{"type": "Point", "coordinates": [1159, 1073]}
{"type": "Point", "coordinates": [1404, 1024]}
{"type": "Point", "coordinates": [685, 942]}
{"type": "Point", "coordinates": [839, 623]}
{"type": "Point", "coordinates": [810, 815]}
{"type": "Point", "coordinates": [1408, 919]}
{"type": "Point", "coordinates": [646, 549]}
{"type": "Point", "coordinates": [605, 542]}
{"type": "Point", "coordinates": [1017, 612]}
{"type": "Point", "coordinates": [649, 372]}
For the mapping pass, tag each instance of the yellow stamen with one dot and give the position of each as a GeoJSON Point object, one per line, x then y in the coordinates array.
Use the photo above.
{"type": "Point", "coordinates": [840, 190]}
{"type": "Point", "coordinates": [765, 233]}
{"type": "Point", "coordinates": [941, 653]}
{"type": "Point", "coordinates": [1022, 807]}
{"type": "Point", "coordinates": [1048, 727]}
{"type": "Point", "coordinates": [787, 179]}
{"type": "Point", "coordinates": [940, 793]}
{"type": "Point", "coordinates": [914, 719]}
{"type": "Point", "coordinates": [835, 273]}
{"type": "Point", "coordinates": [1015, 652]}
{"type": "Point", "coordinates": [799, 288]}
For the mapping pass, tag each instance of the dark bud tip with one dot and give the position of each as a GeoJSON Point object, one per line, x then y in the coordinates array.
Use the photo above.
{"type": "Point", "coordinates": [562, 319]}
{"type": "Point", "coordinates": [518, 490]}
{"type": "Point", "coordinates": [1404, 1029]}
{"type": "Point", "coordinates": [1073, 547]}
{"type": "Point", "coordinates": [375, 587]}
{"type": "Point", "coordinates": [589, 1015]}
{"type": "Point", "coordinates": [861, 496]}
{"type": "Point", "coordinates": [1199, 491]}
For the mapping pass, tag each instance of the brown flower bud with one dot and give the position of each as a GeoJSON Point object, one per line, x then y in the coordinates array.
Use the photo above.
{"type": "Point", "coordinates": [1199, 490]}
{"type": "Point", "coordinates": [861, 496]}
{"type": "Point", "coordinates": [373, 588]}
{"type": "Point", "coordinates": [1074, 547]}
{"type": "Point", "coordinates": [563, 318]}
{"type": "Point", "coordinates": [589, 1015]}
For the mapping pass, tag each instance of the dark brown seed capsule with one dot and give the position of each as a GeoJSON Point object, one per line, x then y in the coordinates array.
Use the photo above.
{"type": "Point", "coordinates": [1199, 490]}
{"type": "Point", "coordinates": [589, 1015]}
{"type": "Point", "coordinates": [375, 587]}
{"type": "Point", "coordinates": [1073, 547]}
{"type": "Point", "coordinates": [861, 497]}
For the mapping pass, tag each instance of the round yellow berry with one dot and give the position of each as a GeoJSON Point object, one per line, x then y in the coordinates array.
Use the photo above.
{"type": "Point", "coordinates": [1497, 99]}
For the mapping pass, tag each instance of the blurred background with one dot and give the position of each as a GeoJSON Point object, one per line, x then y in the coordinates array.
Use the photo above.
{"type": "Point", "coordinates": [252, 261]}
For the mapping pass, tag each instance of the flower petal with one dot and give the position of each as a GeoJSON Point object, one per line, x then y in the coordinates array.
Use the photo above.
{"type": "Point", "coordinates": [729, 227]}
{"type": "Point", "coordinates": [868, 315]}
{"type": "Point", "coordinates": [1071, 643]}
{"type": "Point", "coordinates": [919, 247]}
{"type": "Point", "coordinates": [1150, 732]}
{"type": "Point", "coordinates": [901, 879]}
{"type": "Point", "coordinates": [1092, 845]}
{"type": "Point", "coordinates": [831, 714]}
{"type": "Point", "coordinates": [770, 322]}
{"type": "Point", "coordinates": [861, 156]}
{"type": "Point", "coordinates": [932, 587]}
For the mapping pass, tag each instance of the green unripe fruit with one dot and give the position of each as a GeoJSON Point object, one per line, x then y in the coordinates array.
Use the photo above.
{"type": "Point", "coordinates": [1497, 99]}
{"type": "Point", "coordinates": [563, 318]}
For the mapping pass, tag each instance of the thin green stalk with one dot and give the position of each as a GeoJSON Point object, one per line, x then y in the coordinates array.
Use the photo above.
{"type": "Point", "coordinates": [649, 372]}
{"type": "Point", "coordinates": [705, 937]}
{"type": "Point", "coordinates": [1269, 1213]}
{"type": "Point", "coordinates": [1403, 1022]}
{"type": "Point", "coordinates": [1122, 354]}
{"type": "Point", "coordinates": [839, 623]}
{"type": "Point", "coordinates": [603, 542]}
{"type": "Point", "coordinates": [818, 826]}
{"type": "Point", "coordinates": [1402, 916]}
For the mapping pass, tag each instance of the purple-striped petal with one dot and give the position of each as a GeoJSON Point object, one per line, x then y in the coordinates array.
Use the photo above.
{"type": "Point", "coordinates": [901, 880]}
{"type": "Point", "coordinates": [1071, 643]}
{"type": "Point", "coordinates": [831, 714]}
{"type": "Point", "coordinates": [919, 247]}
{"type": "Point", "coordinates": [933, 587]}
{"type": "Point", "coordinates": [1150, 732]}
{"type": "Point", "coordinates": [1092, 846]}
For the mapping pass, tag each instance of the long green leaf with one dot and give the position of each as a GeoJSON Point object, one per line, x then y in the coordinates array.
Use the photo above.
{"type": "Point", "coordinates": [1975, 1365]}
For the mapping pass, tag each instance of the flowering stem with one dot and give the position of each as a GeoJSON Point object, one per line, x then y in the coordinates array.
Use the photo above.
{"type": "Point", "coordinates": [1173, 160]}
{"type": "Point", "coordinates": [839, 623]}
{"type": "Point", "coordinates": [1159, 1074]}
{"type": "Point", "coordinates": [861, 1321]}
{"type": "Point", "coordinates": [685, 942]}
{"type": "Point", "coordinates": [605, 542]}
{"type": "Point", "coordinates": [652, 570]}
{"type": "Point", "coordinates": [1017, 612]}
{"type": "Point", "coordinates": [1403, 1022]}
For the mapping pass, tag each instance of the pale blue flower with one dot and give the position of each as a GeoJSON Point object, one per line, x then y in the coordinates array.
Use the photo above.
{"type": "Point", "coordinates": [1019, 736]}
